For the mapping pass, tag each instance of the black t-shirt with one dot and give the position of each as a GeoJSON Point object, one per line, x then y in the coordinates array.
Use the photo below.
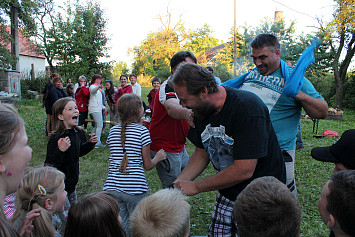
{"type": "Point", "coordinates": [241, 130]}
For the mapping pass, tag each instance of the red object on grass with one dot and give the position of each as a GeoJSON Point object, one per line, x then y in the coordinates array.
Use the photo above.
{"type": "Point", "coordinates": [330, 133]}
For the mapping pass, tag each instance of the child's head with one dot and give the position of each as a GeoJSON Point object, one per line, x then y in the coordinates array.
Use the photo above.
{"type": "Point", "coordinates": [96, 214]}
{"type": "Point", "coordinates": [69, 89]}
{"type": "Point", "coordinates": [164, 213]}
{"type": "Point", "coordinates": [15, 153]}
{"type": "Point", "coordinates": [156, 83]}
{"type": "Point", "coordinates": [130, 108]}
{"type": "Point", "coordinates": [65, 114]}
{"type": "Point", "coordinates": [41, 188]}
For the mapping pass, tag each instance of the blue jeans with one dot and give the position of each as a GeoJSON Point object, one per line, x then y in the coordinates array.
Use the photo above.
{"type": "Point", "coordinates": [127, 204]}
{"type": "Point", "coordinates": [169, 169]}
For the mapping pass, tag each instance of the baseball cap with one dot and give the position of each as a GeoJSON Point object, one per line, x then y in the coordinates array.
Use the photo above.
{"type": "Point", "coordinates": [342, 151]}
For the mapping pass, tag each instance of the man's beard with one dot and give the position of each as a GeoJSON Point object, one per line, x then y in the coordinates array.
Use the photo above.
{"type": "Point", "coordinates": [204, 110]}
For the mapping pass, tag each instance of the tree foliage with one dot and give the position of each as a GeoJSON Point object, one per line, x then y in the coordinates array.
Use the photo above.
{"type": "Point", "coordinates": [118, 69]}
{"type": "Point", "coordinates": [26, 13]}
{"type": "Point", "coordinates": [152, 57]}
{"type": "Point", "coordinates": [340, 37]}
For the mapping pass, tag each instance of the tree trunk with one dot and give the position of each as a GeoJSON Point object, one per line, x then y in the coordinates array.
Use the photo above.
{"type": "Point", "coordinates": [339, 92]}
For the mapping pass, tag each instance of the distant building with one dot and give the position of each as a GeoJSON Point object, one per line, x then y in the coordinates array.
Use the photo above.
{"type": "Point", "coordinates": [30, 58]}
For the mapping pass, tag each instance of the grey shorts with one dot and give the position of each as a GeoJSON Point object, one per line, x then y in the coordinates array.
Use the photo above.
{"type": "Point", "coordinates": [169, 169]}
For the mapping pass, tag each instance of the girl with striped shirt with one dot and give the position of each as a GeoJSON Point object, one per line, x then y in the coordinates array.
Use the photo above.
{"type": "Point", "coordinates": [129, 144]}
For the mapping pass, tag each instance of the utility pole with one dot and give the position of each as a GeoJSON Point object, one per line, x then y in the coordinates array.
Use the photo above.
{"type": "Point", "coordinates": [235, 39]}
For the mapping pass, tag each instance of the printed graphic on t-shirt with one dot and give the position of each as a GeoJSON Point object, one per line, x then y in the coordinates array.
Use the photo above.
{"type": "Point", "coordinates": [268, 88]}
{"type": "Point", "coordinates": [219, 146]}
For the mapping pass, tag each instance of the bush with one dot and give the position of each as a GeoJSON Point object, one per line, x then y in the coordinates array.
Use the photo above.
{"type": "Point", "coordinates": [324, 83]}
{"type": "Point", "coordinates": [37, 84]}
{"type": "Point", "coordinates": [349, 98]}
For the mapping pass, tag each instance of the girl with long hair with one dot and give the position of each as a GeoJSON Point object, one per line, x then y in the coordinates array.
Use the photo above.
{"type": "Point", "coordinates": [15, 155]}
{"type": "Point", "coordinates": [42, 188]}
{"type": "Point", "coordinates": [129, 144]}
{"type": "Point", "coordinates": [68, 143]}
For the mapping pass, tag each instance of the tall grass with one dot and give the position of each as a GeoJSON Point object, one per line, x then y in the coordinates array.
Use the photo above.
{"type": "Point", "coordinates": [311, 175]}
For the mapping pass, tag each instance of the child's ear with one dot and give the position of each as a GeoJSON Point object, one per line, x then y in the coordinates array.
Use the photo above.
{"type": "Point", "coordinates": [48, 204]}
{"type": "Point", "coordinates": [60, 117]}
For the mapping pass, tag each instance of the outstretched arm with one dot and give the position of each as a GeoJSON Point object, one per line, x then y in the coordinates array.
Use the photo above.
{"type": "Point", "coordinates": [176, 111]}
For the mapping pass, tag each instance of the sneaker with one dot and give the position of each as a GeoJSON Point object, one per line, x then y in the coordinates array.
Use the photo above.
{"type": "Point", "coordinates": [299, 146]}
{"type": "Point", "coordinates": [100, 145]}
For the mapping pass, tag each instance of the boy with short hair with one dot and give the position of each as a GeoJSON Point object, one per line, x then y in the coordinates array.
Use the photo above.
{"type": "Point", "coordinates": [336, 204]}
{"type": "Point", "coordinates": [151, 96]}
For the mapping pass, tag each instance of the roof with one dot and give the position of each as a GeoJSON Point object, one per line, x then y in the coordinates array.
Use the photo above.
{"type": "Point", "coordinates": [26, 46]}
{"type": "Point", "coordinates": [211, 53]}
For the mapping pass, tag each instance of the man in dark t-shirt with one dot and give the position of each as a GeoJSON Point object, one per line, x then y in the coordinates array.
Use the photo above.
{"type": "Point", "coordinates": [232, 130]}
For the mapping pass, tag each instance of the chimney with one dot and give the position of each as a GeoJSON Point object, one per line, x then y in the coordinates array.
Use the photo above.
{"type": "Point", "coordinates": [279, 15]}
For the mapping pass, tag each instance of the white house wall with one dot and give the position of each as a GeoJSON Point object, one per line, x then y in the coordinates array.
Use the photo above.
{"type": "Point", "coordinates": [25, 66]}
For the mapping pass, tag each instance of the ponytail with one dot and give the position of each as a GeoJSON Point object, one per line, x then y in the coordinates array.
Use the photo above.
{"type": "Point", "coordinates": [125, 161]}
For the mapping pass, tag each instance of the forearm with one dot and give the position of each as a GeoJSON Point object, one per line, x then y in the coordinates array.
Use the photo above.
{"type": "Point", "coordinates": [196, 164]}
{"type": "Point", "coordinates": [223, 179]}
{"type": "Point", "coordinates": [314, 107]}
{"type": "Point", "coordinates": [175, 110]}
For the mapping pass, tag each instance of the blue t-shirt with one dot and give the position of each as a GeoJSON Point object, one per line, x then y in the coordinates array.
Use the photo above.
{"type": "Point", "coordinates": [284, 111]}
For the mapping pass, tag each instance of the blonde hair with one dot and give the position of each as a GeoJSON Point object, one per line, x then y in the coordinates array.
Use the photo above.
{"type": "Point", "coordinates": [31, 196]}
{"type": "Point", "coordinates": [57, 109]}
{"type": "Point", "coordinates": [129, 106]}
{"type": "Point", "coordinates": [165, 213]}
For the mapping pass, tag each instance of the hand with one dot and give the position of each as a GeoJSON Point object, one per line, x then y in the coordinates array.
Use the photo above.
{"type": "Point", "coordinates": [42, 105]}
{"type": "Point", "coordinates": [64, 144]}
{"type": "Point", "coordinates": [161, 155]}
{"type": "Point", "coordinates": [27, 227]}
{"type": "Point", "coordinates": [190, 118]}
{"type": "Point", "coordinates": [187, 187]}
{"type": "Point", "coordinates": [93, 138]}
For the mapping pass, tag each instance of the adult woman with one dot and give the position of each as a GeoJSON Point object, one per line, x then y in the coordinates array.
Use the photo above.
{"type": "Point", "coordinates": [15, 155]}
{"type": "Point", "coordinates": [124, 88]}
{"type": "Point", "coordinates": [96, 106]}
{"type": "Point", "coordinates": [56, 93]}
{"type": "Point", "coordinates": [110, 93]}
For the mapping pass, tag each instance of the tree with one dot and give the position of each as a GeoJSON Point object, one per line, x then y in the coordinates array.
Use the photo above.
{"type": "Point", "coordinates": [152, 57]}
{"type": "Point", "coordinates": [81, 40]}
{"type": "Point", "coordinates": [199, 41]}
{"type": "Point", "coordinates": [26, 12]}
{"type": "Point", "coordinates": [118, 69]}
{"type": "Point", "coordinates": [339, 34]}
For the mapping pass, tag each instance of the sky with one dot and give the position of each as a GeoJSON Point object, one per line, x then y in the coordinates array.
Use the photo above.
{"type": "Point", "coordinates": [130, 21]}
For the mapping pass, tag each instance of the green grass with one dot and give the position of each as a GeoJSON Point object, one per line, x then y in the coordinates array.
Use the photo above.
{"type": "Point", "coordinates": [311, 175]}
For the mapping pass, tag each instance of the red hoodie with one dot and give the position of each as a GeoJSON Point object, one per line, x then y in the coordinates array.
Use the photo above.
{"type": "Point", "coordinates": [82, 96]}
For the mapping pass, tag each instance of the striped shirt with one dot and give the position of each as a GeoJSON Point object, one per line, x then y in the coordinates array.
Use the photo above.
{"type": "Point", "coordinates": [134, 182]}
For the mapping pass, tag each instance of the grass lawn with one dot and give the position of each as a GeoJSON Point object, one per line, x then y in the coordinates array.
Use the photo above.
{"type": "Point", "coordinates": [311, 175]}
